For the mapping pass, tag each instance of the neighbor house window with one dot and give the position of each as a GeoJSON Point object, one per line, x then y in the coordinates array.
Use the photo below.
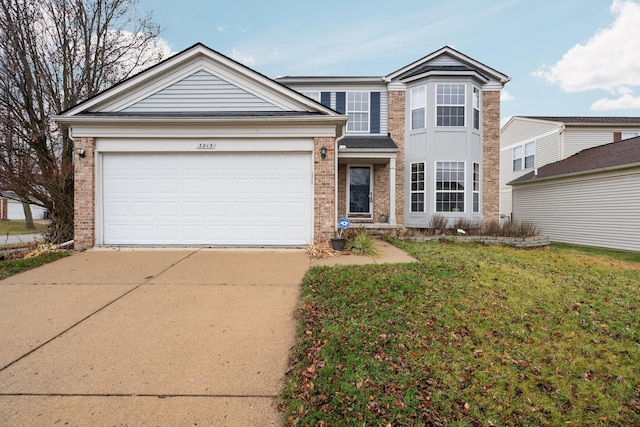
{"type": "Point", "coordinates": [313, 95]}
{"type": "Point", "coordinates": [524, 156]}
{"type": "Point", "coordinates": [476, 108]}
{"type": "Point", "coordinates": [358, 111]}
{"type": "Point", "coordinates": [449, 186]}
{"type": "Point", "coordinates": [626, 135]}
{"type": "Point", "coordinates": [450, 101]}
{"type": "Point", "coordinates": [476, 187]}
{"type": "Point", "coordinates": [418, 107]}
{"type": "Point", "coordinates": [417, 187]}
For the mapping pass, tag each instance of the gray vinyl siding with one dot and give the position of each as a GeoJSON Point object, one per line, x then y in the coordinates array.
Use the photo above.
{"type": "Point", "coordinates": [599, 209]}
{"type": "Point", "coordinates": [576, 140]}
{"type": "Point", "coordinates": [445, 60]}
{"type": "Point", "coordinates": [201, 92]}
{"type": "Point", "coordinates": [522, 129]}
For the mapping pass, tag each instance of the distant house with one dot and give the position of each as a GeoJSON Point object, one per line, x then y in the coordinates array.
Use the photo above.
{"type": "Point", "coordinates": [202, 150]}
{"type": "Point", "coordinates": [11, 208]}
{"type": "Point", "coordinates": [530, 142]}
{"type": "Point", "coordinates": [590, 198]}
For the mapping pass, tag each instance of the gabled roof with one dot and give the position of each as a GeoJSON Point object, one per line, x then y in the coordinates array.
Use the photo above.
{"type": "Point", "coordinates": [421, 66]}
{"type": "Point", "coordinates": [613, 155]}
{"type": "Point", "coordinates": [196, 62]}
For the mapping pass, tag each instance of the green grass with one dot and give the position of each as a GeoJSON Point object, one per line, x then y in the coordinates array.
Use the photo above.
{"type": "Point", "coordinates": [14, 266]}
{"type": "Point", "coordinates": [470, 335]}
{"type": "Point", "coordinates": [18, 227]}
{"type": "Point", "coordinates": [600, 252]}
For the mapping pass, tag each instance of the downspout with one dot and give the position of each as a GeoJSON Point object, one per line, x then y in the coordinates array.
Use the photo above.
{"type": "Point", "coordinates": [335, 177]}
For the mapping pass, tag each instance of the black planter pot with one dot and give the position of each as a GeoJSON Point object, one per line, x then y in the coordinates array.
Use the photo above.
{"type": "Point", "coordinates": [337, 243]}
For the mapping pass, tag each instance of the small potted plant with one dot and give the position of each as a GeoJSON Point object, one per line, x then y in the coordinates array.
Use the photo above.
{"type": "Point", "coordinates": [338, 242]}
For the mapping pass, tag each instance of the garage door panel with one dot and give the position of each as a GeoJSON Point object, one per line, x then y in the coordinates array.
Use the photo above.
{"type": "Point", "coordinates": [207, 198]}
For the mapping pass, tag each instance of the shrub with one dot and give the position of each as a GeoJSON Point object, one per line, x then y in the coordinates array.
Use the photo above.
{"type": "Point", "coordinates": [438, 223]}
{"type": "Point", "coordinates": [362, 244]}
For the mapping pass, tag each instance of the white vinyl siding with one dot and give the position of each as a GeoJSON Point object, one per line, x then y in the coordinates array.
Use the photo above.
{"type": "Point", "coordinates": [201, 92]}
{"type": "Point", "coordinates": [576, 140]}
{"type": "Point", "coordinates": [599, 209]}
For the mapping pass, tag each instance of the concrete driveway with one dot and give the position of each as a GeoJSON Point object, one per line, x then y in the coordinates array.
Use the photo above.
{"type": "Point", "coordinates": [149, 337]}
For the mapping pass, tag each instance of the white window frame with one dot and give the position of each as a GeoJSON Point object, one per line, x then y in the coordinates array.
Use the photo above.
{"type": "Point", "coordinates": [315, 95]}
{"type": "Point", "coordinates": [351, 112]}
{"type": "Point", "coordinates": [419, 101]}
{"type": "Point", "coordinates": [475, 187]}
{"type": "Point", "coordinates": [476, 109]}
{"type": "Point", "coordinates": [450, 191]}
{"type": "Point", "coordinates": [629, 134]}
{"type": "Point", "coordinates": [420, 187]}
{"type": "Point", "coordinates": [446, 103]}
{"type": "Point", "coordinates": [521, 153]}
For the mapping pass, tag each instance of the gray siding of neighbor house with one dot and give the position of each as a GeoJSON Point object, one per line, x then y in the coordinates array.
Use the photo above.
{"type": "Point", "coordinates": [576, 140]}
{"type": "Point", "coordinates": [201, 92]}
{"type": "Point", "coordinates": [598, 209]}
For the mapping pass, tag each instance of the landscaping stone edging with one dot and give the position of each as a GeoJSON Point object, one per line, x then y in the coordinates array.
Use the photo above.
{"type": "Point", "coordinates": [518, 242]}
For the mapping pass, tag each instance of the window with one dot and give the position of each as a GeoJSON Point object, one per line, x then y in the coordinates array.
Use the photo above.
{"type": "Point", "coordinates": [476, 187]}
{"type": "Point", "coordinates": [418, 107]}
{"type": "Point", "coordinates": [449, 186]}
{"type": "Point", "coordinates": [476, 108]}
{"type": "Point", "coordinates": [358, 111]}
{"type": "Point", "coordinates": [417, 187]}
{"type": "Point", "coordinates": [626, 135]}
{"type": "Point", "coordinates": [313, 95]}
{"type": "Point", "coordinates": [450, 104]}
{"type": "Point", "coordinates": [524, 156]}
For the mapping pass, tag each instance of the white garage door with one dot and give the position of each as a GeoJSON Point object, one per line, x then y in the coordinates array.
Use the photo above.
{"type": "Point", "coordinates": [207, 198]}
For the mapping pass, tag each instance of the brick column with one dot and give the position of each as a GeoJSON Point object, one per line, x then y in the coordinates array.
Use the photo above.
{"type": "Point", "coordinates": [397, 116]}
{"type": "Point", "coordinates": [324, 221]}
{"type": "Point", "coordinates": [491, 155]}
{"type": "Point", "coordinates": [84, 194]}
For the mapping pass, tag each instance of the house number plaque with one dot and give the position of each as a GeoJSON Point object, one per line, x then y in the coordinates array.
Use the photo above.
{"type": "Point", "coordinates": [205, 146]}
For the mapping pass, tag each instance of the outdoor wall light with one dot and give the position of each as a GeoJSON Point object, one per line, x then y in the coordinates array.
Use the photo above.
{"type": "Point", "coordinates": [81, 153]}
{"type": "Point", "coordinates": [323, 153]}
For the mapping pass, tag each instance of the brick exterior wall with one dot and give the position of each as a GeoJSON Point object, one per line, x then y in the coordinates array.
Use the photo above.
{"type": "Point", "coordinates": [491, 155]}
{"type": "Point", "coordinates": [324, 222]}
{"type": "Point", "coordinates": [380, 192]}
{"type": "Point", "coordinates": [397, 131]}
{"type": "Point", "coordinates": [84, 195]}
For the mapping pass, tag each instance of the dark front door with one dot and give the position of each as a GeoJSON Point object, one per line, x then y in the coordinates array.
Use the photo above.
{"type": "Point", "coordinates": [360, 192]}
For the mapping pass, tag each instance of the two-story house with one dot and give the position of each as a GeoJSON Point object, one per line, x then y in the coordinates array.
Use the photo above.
{"type": "Point", "coordinates": [200, 149]}
{"type": "Point", "coordinates": [530, 142]}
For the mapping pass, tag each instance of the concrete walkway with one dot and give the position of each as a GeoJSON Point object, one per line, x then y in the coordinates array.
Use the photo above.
{"type": "Point", "coordinates": [152, 337]}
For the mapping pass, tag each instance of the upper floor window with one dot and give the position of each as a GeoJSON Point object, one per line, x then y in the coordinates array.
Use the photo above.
{"type": "Point", "coordinates": [313, 95]}
{"type": "Point", "coordinates": [358, 111]}
{"type": "Point", "coordinates": [476, 108]}
{"type": "Point", "coordinates": [418, 107]}
{"type": "Point", "coordinates": [450, 102]}
{"type": "Point", "coordinates": [449, 186]}
{"type": "Point", "coordinates": [626, 135]}
{"type": "Point", "coordinates": [524, 156]}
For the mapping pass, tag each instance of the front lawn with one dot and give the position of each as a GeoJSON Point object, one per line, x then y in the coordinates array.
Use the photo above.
{"type": "Point", "coordinates": [9, 267]}
{"type": "Point", "coordinates": [470, 335]}
{"type": "Point", "coordinates": [19, 227]}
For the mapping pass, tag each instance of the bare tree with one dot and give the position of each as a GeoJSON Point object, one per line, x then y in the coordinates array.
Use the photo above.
{"type": "Point", "coordinates": [53, 55]}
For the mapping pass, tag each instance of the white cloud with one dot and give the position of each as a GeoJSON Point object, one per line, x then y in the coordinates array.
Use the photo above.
{"type": "Point", "coordinates": [222, 28]}
{"type": "Point", "coordinates": [243, 58]}
{"type": "Point", "coordinates": [607, 61]}
{"type": "Point", "coordinates": [506, 96]}
{"type": "Point", "coordinates": [626, 101]}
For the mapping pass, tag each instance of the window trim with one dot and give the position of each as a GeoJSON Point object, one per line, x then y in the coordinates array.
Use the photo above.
{"type": "Point", "coordinates": [523, 156]}
{"type": "Point", "coordinates": [423, 192]}
{"type": "Point", "coordinates": [475, 187]}
{"type": "Point", "coordinates": [463, 191]}
{"type": "Point", "coordinates": [476, 108]}
{"type": "Point", "coordinates": [423, 106]}
{"type": "Point", "coordinates": [367, 112]}
{"type": "Point", "coordinates": [463, 105]}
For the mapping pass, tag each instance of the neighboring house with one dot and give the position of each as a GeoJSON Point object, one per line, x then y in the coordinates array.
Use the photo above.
{"type": "Point", "coordinates": [591, 198]}
{"type": "Point", "coordinates": [11, 208]}
{"type": "Point", "coordinates": [200, 149]}
{"type": "Point", "coordinates": [530, 142]}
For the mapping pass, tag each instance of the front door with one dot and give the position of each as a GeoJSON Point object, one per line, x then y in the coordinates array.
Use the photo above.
{"type": "Point", "coordinates": [360, 198]}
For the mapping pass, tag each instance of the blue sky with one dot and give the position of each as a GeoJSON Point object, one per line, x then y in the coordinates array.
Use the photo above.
{"type": "Point", "coordinates": [564, 57]}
